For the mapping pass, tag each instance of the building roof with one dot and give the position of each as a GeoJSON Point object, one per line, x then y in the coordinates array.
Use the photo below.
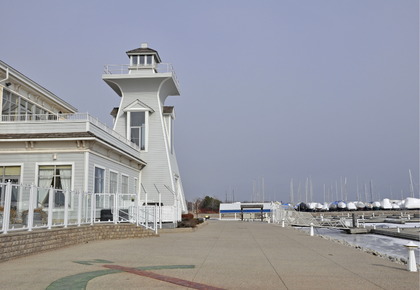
{"type": "Point", "coordinates": [114, 111]}
{"type": "Point", "coordinates": [46, 135]}
{"type": "Point", "coordinates": [144, 51]}
{"type": "Point", "coordinates": [168, 109]}
{"type": "Point", "coordinates": [14, 74]}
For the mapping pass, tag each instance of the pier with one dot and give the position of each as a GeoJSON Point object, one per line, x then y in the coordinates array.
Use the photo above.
{"type": "Point", "coordinates": [219, 255]}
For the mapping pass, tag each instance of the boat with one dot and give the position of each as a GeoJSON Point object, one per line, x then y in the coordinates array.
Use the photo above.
{"type": "Point", "coordinates": [385, 204]}
{"type": "Point", "coordinates": [325, 207]}
{"type": "Point", "coordinates": [395, 206]}
{"type": "Point", "coordinates": [412, 203]}
{"type": "Point", "coordinates": [376, 205]}
{"type": "Point", "coordinates": [311, 206]}
{"type": "Point", "coordinates": [351, 206]}
{"type": "Point", "coordinates": [342, 205]}
{"type": "Point", "coordinates": [333, 206]}
{"type": "Point", "coordinates": [318, 206]}
{"type": "Point", "coordinates": [360, 205]}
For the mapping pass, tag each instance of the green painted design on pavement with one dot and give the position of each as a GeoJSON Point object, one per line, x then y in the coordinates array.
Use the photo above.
{"type": "Point", "coordinates": [94, 261]}
{"type": "Point", "coordinates": [79, 281]}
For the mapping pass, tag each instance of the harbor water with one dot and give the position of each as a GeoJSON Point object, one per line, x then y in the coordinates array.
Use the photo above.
{"type": "Point", "coordinates": [390, 246]}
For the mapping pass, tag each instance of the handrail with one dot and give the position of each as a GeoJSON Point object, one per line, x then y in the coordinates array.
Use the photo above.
{"type": "Point", "coordinates": [76, 117]}
{"type": "Point", "coordinates": [110, 69]}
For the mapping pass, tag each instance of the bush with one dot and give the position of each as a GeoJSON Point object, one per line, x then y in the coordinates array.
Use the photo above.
{"type": "Point", "coordinates": [187, 216]}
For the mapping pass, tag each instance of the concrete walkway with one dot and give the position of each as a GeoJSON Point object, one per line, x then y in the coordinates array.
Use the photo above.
{"type": "Point", "coordinates": [223, 254]}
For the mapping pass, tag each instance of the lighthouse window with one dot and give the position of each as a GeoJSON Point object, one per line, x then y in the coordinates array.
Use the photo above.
{"type": "Point", "coordinates": [149, 59]}
{"type": "Point", "coordinates": [135, 59]}
{"type": "Point", "coordinates": [142, 59]}
{"type": "Point", "coordinates": [138, 129]}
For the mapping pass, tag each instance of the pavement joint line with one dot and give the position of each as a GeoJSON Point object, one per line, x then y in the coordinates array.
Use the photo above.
{"type": "Point", "coordinates": [338, 264]}
{"type": "Point", "coordinates": [212, 247]}
{"type": "Point", "coordinates": [278, 275]}
{"type": "Point", "coordinates": [164, 278]}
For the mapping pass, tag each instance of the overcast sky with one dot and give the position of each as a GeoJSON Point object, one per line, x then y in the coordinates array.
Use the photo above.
{"type": "Point", "coordinates": [279, 89]}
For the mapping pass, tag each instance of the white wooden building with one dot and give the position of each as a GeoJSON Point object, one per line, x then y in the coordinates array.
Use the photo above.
{"type": "Point", "coordinates": [45, 141]}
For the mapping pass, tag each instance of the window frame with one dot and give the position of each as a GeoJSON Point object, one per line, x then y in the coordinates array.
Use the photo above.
{"type": "Point", "coordinates": [19, 193]}
{"type": "Point", "coordinates": [109, 186]}
{"type": "Point", "coordinates": [72, 164]}
{"type": "Point", "coordinates": [146, 125]}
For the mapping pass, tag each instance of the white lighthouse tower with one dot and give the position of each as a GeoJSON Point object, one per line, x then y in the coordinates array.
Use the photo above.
{"type": "Point", "coordinates": [143, 118]}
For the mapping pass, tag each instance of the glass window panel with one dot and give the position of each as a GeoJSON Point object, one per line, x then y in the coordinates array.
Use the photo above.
{"type": "Point", "coordinates": [149, 59]}
{"type": "Point", "coordinates": [137, 118]}
{"type": "Point", "coordinates": [14, 105]}
{"type": "Point", "coordinates": [135, 135]}
{"type": "Point", "coordinates": [6, 95]}
{"type": "Point", "coordinates": [30, 108]}
{"type": "Point", "coordinates": [99, 180]}
{"type": "Point", "coordinates": [1, 171]}
{"type": "Point", "coordinates": [22, 108]}
{"type": "Point", "coordinates": [12, 170]}
{"type": "Point", "coordinates": [141, 59]}
{"type": "Point", "coordinates": [135, 59]}
{"type": "Point", "coordinates": [5, 110]}
{"type": "Point", "coordinates": [113, 182]}
{"type": "Point", "coordinates": [124, 184]}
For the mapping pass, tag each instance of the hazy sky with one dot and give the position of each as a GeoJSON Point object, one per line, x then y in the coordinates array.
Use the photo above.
{"type": "Point", "coordinates": [280, 89]}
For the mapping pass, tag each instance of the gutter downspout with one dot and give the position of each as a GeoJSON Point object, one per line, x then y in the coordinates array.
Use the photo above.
{"type": "Point", "coordinates": [7, 75]}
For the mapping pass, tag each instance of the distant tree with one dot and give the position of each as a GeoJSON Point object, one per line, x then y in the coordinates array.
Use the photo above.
{"type": "Point", "coordinates": [210, 203]}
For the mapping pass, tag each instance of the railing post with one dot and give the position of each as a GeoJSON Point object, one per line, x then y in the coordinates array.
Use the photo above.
{"type": "Point", "coordinates": [7, 204]}
{"type": "Point", "coordinates": [137, 210]}
{"type": "Point", "coordinates": [92, 209]}
{"type": "Point", "coordinates": [160, 210]}
{"type": "Point", "coordinates": [66, 208]}
{"type": "Point", "coordinates": [145, 211]}
{"type": "Point", "coordinates": [155, 221]}
{"type": "Point", "coordinates": [115, 208]}
{"type": "Point", "coordinates": [31, 208]}
{"type": "Point", "coordinates": [79, 210]}
{"type": "Point", "coordinates": [50, 206]}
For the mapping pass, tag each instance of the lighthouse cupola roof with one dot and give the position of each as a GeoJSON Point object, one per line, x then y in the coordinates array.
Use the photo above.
{"type": "Point", "coordinates": [144, 55]}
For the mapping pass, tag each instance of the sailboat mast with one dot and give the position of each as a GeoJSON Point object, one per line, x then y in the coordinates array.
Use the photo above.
{"type": "Point", "coordinates": [299, 196]}
{"type": "Point", "coordinates": [291, 191]}
{"type": "Point", "coordinates": [345, 188]}
{"type": "Point", "coordinates": [357, 188]}
{"type": "Point", "coordinates": [411, 184]}
{"type": "Point", "coordinates": [312, 193]}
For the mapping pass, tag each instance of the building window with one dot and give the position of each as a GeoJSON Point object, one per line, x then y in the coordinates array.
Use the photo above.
{"type": "Point", "coordinates": [124, 184]}
{"type": "Point", "coordinates": [99, 185]}
{"type": "Point", "coordinates": [138, 129]}
{"type": "Point", "coordinates": [136, 181]}
{"type": "Point", "coordinates": [141, 60]}
{"type": "Point", "coordinates": [15, 108]}
{"type": "Point", "coordinates": [12, 174]}
{"type": "Point", "coordinates": [113, 182]}
{"type": "Point", "coordinates": [57, 177]}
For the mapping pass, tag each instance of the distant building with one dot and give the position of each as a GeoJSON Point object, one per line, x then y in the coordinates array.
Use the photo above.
{"type": "Point", "coordinates": [45, 141]}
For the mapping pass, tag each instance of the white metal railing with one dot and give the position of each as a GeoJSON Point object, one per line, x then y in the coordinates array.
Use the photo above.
{"type": "Point", "coordinates": [76, 117]}
{"type": "Point", "coordinates": [19, 210]}
{"type": "Point", "coordinates": [110, 69]}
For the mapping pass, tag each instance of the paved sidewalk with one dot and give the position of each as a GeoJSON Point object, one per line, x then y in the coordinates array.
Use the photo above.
{"type": "Point", "coordinates": [223, 254]}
